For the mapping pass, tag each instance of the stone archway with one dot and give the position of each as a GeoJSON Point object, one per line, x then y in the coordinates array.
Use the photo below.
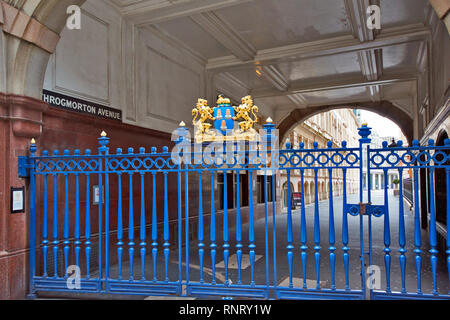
{"type": "Point", "coordinates": [384, 108]}
{"type": "Point", "coordinates": [29, 33]}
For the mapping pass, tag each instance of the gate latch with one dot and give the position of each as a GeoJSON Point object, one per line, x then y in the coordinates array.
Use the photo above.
{"type": "Point", "coordinates": [363, 208]}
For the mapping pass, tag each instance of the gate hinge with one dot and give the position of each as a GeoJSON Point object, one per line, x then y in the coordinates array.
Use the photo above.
{"type": "Point", "coordinates": [24, 167]}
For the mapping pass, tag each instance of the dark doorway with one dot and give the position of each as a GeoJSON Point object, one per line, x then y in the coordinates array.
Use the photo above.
{"type": "Point", "coordinates": [441, 186]}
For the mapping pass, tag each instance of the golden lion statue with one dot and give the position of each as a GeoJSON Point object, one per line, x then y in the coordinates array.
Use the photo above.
{"type": "Point", "coordinates": [243, 111]}
{"type": "Point", "coordinates": [204, 112]}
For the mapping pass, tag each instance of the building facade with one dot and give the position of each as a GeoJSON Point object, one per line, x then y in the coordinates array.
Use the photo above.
{"type": "Point", "coordinates": [336, 126]}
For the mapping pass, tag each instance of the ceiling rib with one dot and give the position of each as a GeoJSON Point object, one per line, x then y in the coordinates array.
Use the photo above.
{"type": "Point", "coordinates": [227, 36]}
{"type": "Point", "coordinates": [299, 87]}
{"type": "Point", "coordinates": [324, 47]}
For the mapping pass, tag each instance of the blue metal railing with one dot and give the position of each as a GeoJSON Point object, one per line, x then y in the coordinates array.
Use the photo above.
{"type": "Point", "coordinates": [109, 263]}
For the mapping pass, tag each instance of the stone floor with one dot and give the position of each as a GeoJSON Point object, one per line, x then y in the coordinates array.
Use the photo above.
{"type": "Point", "coordinates": [282, 276]}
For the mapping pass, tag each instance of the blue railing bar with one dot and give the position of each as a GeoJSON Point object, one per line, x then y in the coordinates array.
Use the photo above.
{"type": "Point", "coordinates": [401, 232]}
{"type": "Point", "coordinates": [331, 232]}
{"type": "Point", "coordinates": [274, 235]}
{"type": "Point", "coordinates": [251, 231]}
{"type": "Point", "coordinates": [201, 245]}
{"type": "Point", "coordinates": [45, 228]}
{"type": "Point", "coordinates": [87, 230]}
{"type": "Point", "coordinates": [345, 247]}
{"type": "Point", "coordinates": [77, 220]}
{"type": "Point", "coordinates": [154, 227]}
{"type": "Point", "coordinates": [180, 241]}
{"type": "Point", "coordinates": [433, 241]}
{"type": "Point", "coordinates": [55, 225]}
{"type": "Point", "coordinates": [303, 232]}
{"type": "Point", "coordinates": [212, 231]}
{"type": "Point", "coordinates": [100, 222]}
{"type": "Point", "coordinates": [316, 228]}
{"type": "Point", "coordinates": [238, 227]}
{"type": "Point", "coordinates": [106, 150]}
{"type": "Point", "coordinates": [166, 243]}
{"type": "Point", "coordinates": [186, 220]}
{"type": "Point", "coordinates": [33, 149]}
{"type": "Point", "coordinates": [143, 244]}
{"type": "Point", "coordinates": [387, 237]}
{"type": "Point", "coordinates": [66, 241]}
{"type": "Point", "coordinates": [131, 223]}
{"type": "Point", "coordinates": [266, 230]}
{"type": "Point", "coordinates": [119, 223]}
{"type": "Point", "coordinates": [226, 246]}
{"type": "Point", "coordinates": [417, 235]}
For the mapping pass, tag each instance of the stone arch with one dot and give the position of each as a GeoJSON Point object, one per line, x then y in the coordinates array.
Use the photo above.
{"type": "Point", "coordinates": [30, 57]}
{"type": "Point", "coordinates": [384, 108]}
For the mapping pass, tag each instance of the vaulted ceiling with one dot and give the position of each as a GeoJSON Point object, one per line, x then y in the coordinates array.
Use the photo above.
{"type": "Point", "coordinates": [292, 54]}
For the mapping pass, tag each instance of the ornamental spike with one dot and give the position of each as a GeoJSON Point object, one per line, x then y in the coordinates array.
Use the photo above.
{"type": "Point", "coordinates": [103, 134]}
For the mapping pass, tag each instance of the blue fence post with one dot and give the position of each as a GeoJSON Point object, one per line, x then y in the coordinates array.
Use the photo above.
{"type": "Point", "coordinates": [317, 248]}
{"type": "Point", "coordinates": [66, 241]}
{"type": "Point", "coordinates": [266, 140]}
{"type": "Point", "coordinates": [166, 243]}
{"type": "Point", "coordinates": [131, 221]}
{"type": "Point", "coordinates": [154, 224]}
{"type": "Point", "coordinates": [119, 219]}
{"type": "Point", "coordinates": [33, 149]}
{"type": "Point", "coordinates": [364, 132]}
{"type": "Point", "coordinates": [55, 241]}
{"type": "Point", "coordinates": [103, 151]}
{"type": "Point", "coordinates": [433, 236]}
{"type": "Point", "coordinates": [289, 247]}
{"type": "Point", "coordinates": [303, 229]}
{"type": "Point", "coordinates": [417, 231]}
{"type": "Point", "coordinates": [87, 232]}
{"type": "Point", "coordinates": [401, 230]}
{"type": "Point", "coordinates": [77, 215]}
{"type": "Point", "coordinates": [331, 231]}
{"type": "Point", "coordinates": [345, 248]}
{"type": "Point", "coordinates": [143, 244]}
{"type": "Point", "coordinates": [45, 241]}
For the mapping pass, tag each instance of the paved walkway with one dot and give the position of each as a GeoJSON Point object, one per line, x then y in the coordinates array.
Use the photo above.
{"type": "Point", "coordinates": [281, 256]}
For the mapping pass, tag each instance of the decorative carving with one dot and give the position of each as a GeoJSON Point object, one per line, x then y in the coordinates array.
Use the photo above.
{"type": "Point", "coordinates": [243, 111]}
{"type": "Point", "coordinates": [224, 116]}
{"type": "Point", "coordinates": [204, 112]}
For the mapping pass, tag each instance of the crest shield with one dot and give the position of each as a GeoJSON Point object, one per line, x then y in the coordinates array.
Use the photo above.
{"type": "Point", "coordinates": [223, 115]}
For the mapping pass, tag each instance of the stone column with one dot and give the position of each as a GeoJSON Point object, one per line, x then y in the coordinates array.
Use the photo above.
{"type": "Point", "coordinates": [20, 121]}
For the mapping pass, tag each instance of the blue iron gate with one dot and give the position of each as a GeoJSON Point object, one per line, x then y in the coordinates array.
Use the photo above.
{"type": "Point", "coordinates": [137, 236]}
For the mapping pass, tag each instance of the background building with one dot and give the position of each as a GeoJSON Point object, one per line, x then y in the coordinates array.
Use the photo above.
{"type": "Point", "coordinates": [336, 126]}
